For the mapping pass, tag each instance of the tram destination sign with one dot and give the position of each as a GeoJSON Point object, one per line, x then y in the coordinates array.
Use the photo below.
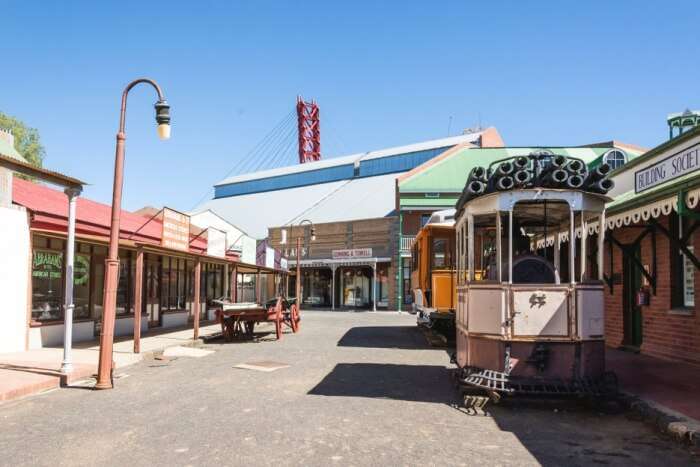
{"type": "Point", "coordinates": [176, 230]}
{"type": "Point", "coordinates": [354, 253]}
{"type": "Point", "coordinates": [677, 165]}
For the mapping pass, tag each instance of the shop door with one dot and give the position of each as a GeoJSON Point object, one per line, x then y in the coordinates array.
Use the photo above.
{"type": "Point", "coordinates": [632, 314]}
{"type": "Point", "coordinates": [152, 297]}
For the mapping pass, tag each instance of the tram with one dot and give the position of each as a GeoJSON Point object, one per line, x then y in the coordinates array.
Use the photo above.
{"type": "Point", "coordinates": [433, 274]}
{"type": "Point", "coordinates": [530, 307]}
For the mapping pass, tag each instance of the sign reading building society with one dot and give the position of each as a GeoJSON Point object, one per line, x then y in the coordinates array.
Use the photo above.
{"type": "Point", "coordinates": [675, 166]}
{"type": "Point", "coordinates": [354, 253]}
{"type": "Point", "coordinates": [176, 230]}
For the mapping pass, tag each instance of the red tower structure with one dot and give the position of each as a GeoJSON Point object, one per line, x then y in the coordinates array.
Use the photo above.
{"type": "Point", "coordinates": [309, 131]}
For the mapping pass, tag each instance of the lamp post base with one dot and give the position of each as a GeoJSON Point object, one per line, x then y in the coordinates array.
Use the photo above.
{"type": "Point", "coordinates": [66, 367]}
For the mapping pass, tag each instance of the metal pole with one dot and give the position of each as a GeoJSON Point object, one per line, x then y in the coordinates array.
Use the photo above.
{"type": "Point", "coordinates": [584, 237]}
{"type": "Point", "coordinates": [601, 245]}
{"type": "Point", "coordinates": [258, 288]}
{"type": "Point", "coordinates": [510, 246]}
{"type": "Point", "coordinates": [572, 247]}
{"type": "Point", "coordinates": [234, 284]}
{"type": "Point", "coordinates": [226, 281]}
{"type": "Point", "coordinates": [69, 305]}
{"type": "Point", "coordinates": [298, 282]}
{"type": "Point", "coordinates": [499, 247]}
{"type": "Point", "coordinates": [332, 288]}
{"type": "Point", "coordinates": [197, 295]}
{"type": "Point", "coordinates": [109, 304]}
{"type": "Point", "coordinates": [374, 287]}
{"type": "Point", "coordinates": [138, 298]}
{"type": "Point", "coordinates": [470, 249]}
{"type": "Point", "coordinates": [557, 255]}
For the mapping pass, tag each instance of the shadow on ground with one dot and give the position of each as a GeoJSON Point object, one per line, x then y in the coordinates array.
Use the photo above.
{"type": "Point", "coordinates": [419, 383]}
{"type": "Point", "coordinates": [385, 337]}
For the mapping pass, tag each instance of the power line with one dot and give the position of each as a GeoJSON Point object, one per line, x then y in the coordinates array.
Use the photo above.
{"type": "Point", "coordinates": [248, 157]}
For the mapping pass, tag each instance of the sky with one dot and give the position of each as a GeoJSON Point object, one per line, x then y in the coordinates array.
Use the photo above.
{"type": "Point", "coordinates": [383, 73]}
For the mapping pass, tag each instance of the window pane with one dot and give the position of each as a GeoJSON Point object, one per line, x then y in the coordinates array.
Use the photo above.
{"type": "Point", "coordinates": [47, 285]}
{"type": "Point", "coordinates": [81, 286]}
{"type": "Point", "coordinates": [439, 252]}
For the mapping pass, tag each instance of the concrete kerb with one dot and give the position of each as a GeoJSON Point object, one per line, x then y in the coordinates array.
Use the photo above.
{"type": "Point", "coordinates": [677, 426]}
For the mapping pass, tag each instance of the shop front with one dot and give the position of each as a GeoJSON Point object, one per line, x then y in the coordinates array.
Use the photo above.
{"type": "Point", "coordinates": [651, 261]}
{"type": "Point", "coordinates": [168, 289]}
{"type": "Point", "coordinates": [361, 284]}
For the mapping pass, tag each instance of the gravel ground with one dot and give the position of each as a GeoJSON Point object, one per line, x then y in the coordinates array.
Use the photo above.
{"type": "Point", "coordinates": [361, 389]}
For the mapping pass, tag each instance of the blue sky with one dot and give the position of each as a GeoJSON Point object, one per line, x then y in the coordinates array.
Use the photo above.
{"type": "Point", "coordinates": [383, 73]}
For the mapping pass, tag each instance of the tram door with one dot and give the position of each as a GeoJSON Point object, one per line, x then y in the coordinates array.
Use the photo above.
{"type": "Point", "coordinates": [632, 313]}
{"type": "Point", "coordinates": [151, 287]}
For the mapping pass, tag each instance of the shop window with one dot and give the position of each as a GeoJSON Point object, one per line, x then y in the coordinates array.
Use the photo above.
{"type": "Point", "coordinates": [47, 283]}
{"type": "Point", "coordinates": [682, 268]}
{"type": "Point", "coordinates": [424, 218]}
{"type": "Point", "coordinates": [124, 289]}
{"type": "Point", "coordinates": [81, 284]}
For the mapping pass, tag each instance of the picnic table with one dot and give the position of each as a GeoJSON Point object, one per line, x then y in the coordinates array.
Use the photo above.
{"type": "Point", "coordinates": [239, 319]}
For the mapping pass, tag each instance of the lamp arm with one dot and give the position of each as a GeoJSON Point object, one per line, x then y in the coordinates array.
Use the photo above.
{"type": "Point", "coordinates": [122, 114]}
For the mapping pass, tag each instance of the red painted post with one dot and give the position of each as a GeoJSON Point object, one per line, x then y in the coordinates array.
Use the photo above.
{"type": "Point", "coordinates": [138, 297]}
{"type": "Point", "coordinates": [197, 295]}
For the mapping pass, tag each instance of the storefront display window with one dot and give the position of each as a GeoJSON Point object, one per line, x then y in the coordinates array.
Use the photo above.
{"type": "Point", "coordinates": [383, 286]}
{"type": "Point", "coordinates": [47, 284]}
{"type": "Point", "coordinates": [355, 287]}
{"type": "Point", "coordinates": [316, 285]}
{"type": "Point", "coordinates": [81, 286]}
{"type": "Point", "coordinates": [124, 287]}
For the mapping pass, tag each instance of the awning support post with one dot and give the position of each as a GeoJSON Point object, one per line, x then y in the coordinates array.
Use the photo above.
{"type": "Point", "coordinates": [138, 298]}
{"type": "Point", "coordinates": [67, 365]}
{"type": "Point", "coordinates": [197, 295]}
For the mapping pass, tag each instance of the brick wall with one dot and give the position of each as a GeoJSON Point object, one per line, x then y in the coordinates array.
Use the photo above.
{"type": "Point", "coordinates": [666, 333]}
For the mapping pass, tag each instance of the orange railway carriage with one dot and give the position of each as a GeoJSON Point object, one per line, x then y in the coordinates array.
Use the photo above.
{"type": "Point", "coordinates": [433, 282]}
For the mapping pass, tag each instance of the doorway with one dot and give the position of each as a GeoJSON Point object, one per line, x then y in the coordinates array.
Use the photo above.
{"type": "Point", "coordinates": [151, 300]}
{"type": "Point", "coordinates": [631, 312]}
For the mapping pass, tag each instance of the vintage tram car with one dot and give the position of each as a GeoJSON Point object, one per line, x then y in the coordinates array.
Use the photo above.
{"type": "Point", "coordinates": [433, 281]}
{"type": "Point", "coordinates": [530, 311]}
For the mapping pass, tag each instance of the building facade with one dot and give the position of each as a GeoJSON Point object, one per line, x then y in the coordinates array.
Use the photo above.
{"type": "Point", "coordinates": [168, 270]}
{"type": "Point", "coordinates": [651, 259]}
{"type": "Point", "coordinates": [345, 265]}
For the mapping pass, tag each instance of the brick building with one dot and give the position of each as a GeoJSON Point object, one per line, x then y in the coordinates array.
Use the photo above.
{"type": "Point", "coordinates": [650, 256]}
{"type": "Point", "coordinates": [347, 265]}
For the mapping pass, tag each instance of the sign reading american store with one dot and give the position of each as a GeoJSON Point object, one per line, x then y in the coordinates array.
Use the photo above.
{"type": "Point", "coordinates": [176, 230]}
{"type": "Point", "coordinates": [354, 253]}
{"type": "Point", "coordinates": [674, 166]}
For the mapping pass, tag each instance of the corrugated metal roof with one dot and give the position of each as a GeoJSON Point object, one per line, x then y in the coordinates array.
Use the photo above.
{"type": "Point", "coordinates": [361, 198]}
{"type": "Point", "coordinates": [91, 217]}
{"type": "Point", "coordinates": [351, 159]}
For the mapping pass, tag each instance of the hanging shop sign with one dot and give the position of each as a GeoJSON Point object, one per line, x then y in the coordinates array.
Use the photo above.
{"type": "Point", "coordinates": [677, 165]}
{"type": "Point", "coordinates": [216, 242]}
{"type": "Point", "coordinates": [354, 253]}
{"type": "Point", "coordinates": [176, 230]}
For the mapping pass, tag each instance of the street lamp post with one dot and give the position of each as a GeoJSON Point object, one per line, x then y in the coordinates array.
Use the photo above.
{"type": "Point", "coordinates": [298, 284]}
{"type": "Point", "coordinates": [104, 372]}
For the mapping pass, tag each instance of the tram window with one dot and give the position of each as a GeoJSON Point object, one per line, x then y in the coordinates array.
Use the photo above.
{"type": "Point", "coordinates": [485, 254]}
{"type": "Point", "coordinates": [534, 224]}
{"type": "Point", "coordinates": [440, 260]}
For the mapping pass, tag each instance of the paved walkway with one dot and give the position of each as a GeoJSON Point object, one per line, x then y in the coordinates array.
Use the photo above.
{"type": "Point", "coordinates": [353, 389]}
{"type": "Point", "coordinates": [25, 373]}
{"type": "Point", "coordinates": [672, 384]}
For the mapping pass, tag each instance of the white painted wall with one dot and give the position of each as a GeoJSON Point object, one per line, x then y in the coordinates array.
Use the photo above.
{"type": "Point", "coordinates": [125, 326]}
{"type": "Point", "coordinates": [175, 319]}
{"type": "Point", "coordinates": [51, 335]}
{"type": "Point", "coordinates": [14, 278]}
{"type": "Point", "coordinates": [234, 236]}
